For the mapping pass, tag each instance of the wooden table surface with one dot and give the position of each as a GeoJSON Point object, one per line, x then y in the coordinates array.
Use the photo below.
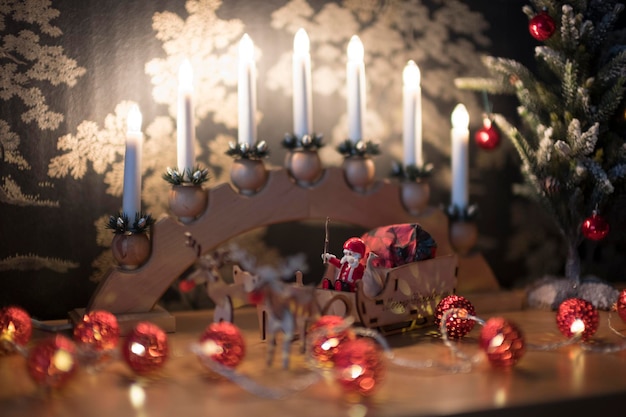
{"type": "Point", "coordinates": [563, 382]}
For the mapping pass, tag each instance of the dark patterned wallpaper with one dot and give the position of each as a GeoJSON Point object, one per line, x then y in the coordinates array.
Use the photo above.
{"type": "Point", "coordinates": [70, 71]}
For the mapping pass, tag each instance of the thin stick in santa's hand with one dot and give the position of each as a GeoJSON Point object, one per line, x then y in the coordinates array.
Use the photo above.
{"type": "Point", "coordinates": [326, 240]}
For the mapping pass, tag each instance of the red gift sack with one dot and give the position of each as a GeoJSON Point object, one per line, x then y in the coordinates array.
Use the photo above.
{"type": "Point", "coordinates": [399, 244]}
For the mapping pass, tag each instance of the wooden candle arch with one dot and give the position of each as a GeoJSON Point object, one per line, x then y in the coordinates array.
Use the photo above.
{"type": "Point", "coordinates": [133, 295]}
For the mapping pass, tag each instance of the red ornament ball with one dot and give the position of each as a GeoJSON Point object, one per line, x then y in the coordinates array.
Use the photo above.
{"type": "Point", "coordinates": [359, 366]}
{"type": "Point", "coordinates": [326, 335]}
{"type": "Point", "coordinates": [98, 329]}
{"type": "Point", "coordinates": [502, 341]}
{"type": "Point", "coordinates": [487, 137]}
{"type": "Point", "coordinates": [457, 325]}
{"type": "Point", "coordinates": [620, 305]}
{"type": "Point", "coordinates": [577, 316]}
{"type": "Point", "coordinates": [52, 362]}
{"type": "Point", "coordinates": [186, 285]}
{"type": "Point", "coordinates": [15, 328]}
{"type": "Point", "coordinates": [223, 343]}
{"type": "Point", "coordinates": [595, 227]}
{"type": "Point", "coordinates": [541, 26]}
{"type": "Point", "coordinates": [145, 349]}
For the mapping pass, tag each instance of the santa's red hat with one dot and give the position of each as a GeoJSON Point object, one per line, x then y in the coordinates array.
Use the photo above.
{"type": "Point", "coordinates": [355, 245]}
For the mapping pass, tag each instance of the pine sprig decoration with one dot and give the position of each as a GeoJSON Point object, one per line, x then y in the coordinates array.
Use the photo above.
{"type": "Point", "coordinates": [194, 176]}
{"type": "Point", "coordinates": [120, 223]}
{"type": "Point", "coordinates": [361, 148]}
{"type": "Point", "coordinates": [306, 142]}
{"type": "Point", "coordinates": [411, 172]}
{"type": "Point", "coordinates": [242, 150]}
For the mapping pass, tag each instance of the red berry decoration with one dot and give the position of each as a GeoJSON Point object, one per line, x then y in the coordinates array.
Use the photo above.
{"type": "Point", "coordinates": [186, 285]}
{"type": "Point", "coordinates": [145, 349]}
{"type": "Point", "coordinates": [577, 316]}
{"type": "Point", "coordinates": [15, 328]}
{"type": "Point", "coordinates": [542, 26]}
{"type": "Point", "coordinates": [487, 137]}
{"type": "Point", "coordinates": [98, 329]}
{"type": "Point", "coordinates": [52, 362]}
{"type": "Point", "coordinates": [457, 325]}
{"type": "Point", "coordinates": [359, 366]}
{"type": "Point", "coordinates": [223, 343]}
{"type": "Point", "coordinates": [502, 341]}
{"type": "Point", "coordinates": [595, 227]}
{"type": "Point", "coordinates": [620, 305]}
{"type": "Point", "coordinates": [326, 335]}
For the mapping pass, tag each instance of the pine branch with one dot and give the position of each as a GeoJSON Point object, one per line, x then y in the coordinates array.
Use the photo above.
{"type": "Point", "coordinates": [609, 102]}
{"type": "Point", "coordinates": [525, 151]}
{"type": "Point", "coordinates": [615, 68]}
{"type": "Point", "coordinates": [554, 59]}
{"type": "Point", "coordinates": [569, 32]}
{"type": "Point", "coordinates": [617, 173]}
{"type": "Point", "coordinates": [583, 144]}
{"type": "Point", "coordinates": [601, 181]}
{"type": "Point", "coordinates": [569, 84]}
{"type": "Point", "coordinates": [489, 85]}
{"type": "Point", "coordinates": [605, 26]}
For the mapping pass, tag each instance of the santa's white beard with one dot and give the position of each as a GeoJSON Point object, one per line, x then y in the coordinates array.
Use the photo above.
{"type": "Point", "coordinates": [350, 260]}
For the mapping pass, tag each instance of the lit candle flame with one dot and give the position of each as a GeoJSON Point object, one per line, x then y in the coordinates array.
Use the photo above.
{"type": "Point", "coordinates": [460, 117]}
{"type": "Point", "coordinates": [301, 44]}
{"type": "Point", "coordinates": [134, 120]}
{"type": "Point", "coordinates": [185, 76]}
{"type": "Point", "coordinates": [355, 49]}
{"type": "Point", "coordinates": [411, 74]}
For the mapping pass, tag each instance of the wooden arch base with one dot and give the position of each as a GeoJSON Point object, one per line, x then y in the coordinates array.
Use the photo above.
{"type": "Point", "coordinates": [134, 294]}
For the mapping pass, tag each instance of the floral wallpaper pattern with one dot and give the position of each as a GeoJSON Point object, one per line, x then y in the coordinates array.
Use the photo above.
{"type": "Point", "coordinates": [71, 71]}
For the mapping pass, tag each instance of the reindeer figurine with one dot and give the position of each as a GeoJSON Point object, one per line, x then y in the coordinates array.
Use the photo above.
{"type": "Point", "coordinates": [285, 308]}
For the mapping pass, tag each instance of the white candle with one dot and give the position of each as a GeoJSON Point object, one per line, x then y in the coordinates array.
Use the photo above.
{"type": "Point", "coordinates": [302, 109]}
{"type": "Point", "coordinates": [185, 128]}
{"type": "Point", "coordinates": [355, 80]}
{"type": "Point", "coordinates": [460, 157]}
{"type": "Point", "coordinates": [247, 91]}
{"type": "Point", "coordinates": [412, 110]}
{"type": "Point", "coordinates": [131, 199]}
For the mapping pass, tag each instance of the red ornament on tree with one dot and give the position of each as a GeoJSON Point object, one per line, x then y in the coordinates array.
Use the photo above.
{"type": "Point", "coordinates": [145, 349]}
{"type": "Point", "coordinates": [502, 341]}
{"type": "Point", "coordinates": [359, 366]}
{"type": "Point", "coordinates": [576, 316]}
{"type": "Point", "coordinates": [222, 342]}
{"type": "Point", "coordinates": [595, 227]}
{"type": "Point", "coordinates": [542, 26]}
{"type": "Point", "coordinates": [52, 362]}
{"type": "Point", "coordinates": [620, 305]}
{"type": "Point", "coordinates": [15, 328]}
{"type": "Point", "coordinates": [326, 336]}
{"type": "Point", "coordinates": [186, 285]}
{"type": "Point", "coordinates": [457, 325]}
{"type": "Point", "coordinates": [487, 137]}
{"type": "Point", "coordinates": [98, 329]}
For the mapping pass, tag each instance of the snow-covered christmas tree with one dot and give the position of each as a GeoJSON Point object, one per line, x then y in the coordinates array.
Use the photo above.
{"type": "Point", "coordinates": [571, 140]}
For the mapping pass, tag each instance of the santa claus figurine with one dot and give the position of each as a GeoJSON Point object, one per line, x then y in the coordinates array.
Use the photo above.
{"type": "Point", "coordinates": [350, 267]}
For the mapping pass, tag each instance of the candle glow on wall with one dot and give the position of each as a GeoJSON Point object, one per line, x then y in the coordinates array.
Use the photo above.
{"type": "Point", "coordinates": [246, 92]}
{"type": "Point", "coordinates": [302, 101]}
{"type": "Point", "coordinates": [131, 199]}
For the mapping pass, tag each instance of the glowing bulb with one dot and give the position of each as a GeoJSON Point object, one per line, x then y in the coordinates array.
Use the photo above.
{"type": "Point", "coordinates": [355, 371]}
{"type": "Point", "coordinates": [355, 49]}
{"type": "Point", "coordinates": [460, 117]}
{"type": "Point", "coordinates": [301, 44]}
{"type": "Point", "coordinates": [577, 327]}
{"type": "Point", "coordinates": [185, 76]}
{"type": "Point", "coordinates": [496, 341]}
{"type": "Point", "coordinates": [138, 349]}
{"type": "Point", "coordinates": [411, 74]}
{"type": "Point", "coordinates": [330, 343]}
{"type": "Point", "coordinates": [246, 48]}
{"type": "Point", "coordinates": [63, 360]}
{"type": "Point", "coordinates": [137, 396]}
{"type": "Point", "coordinates": [134, 120]}
{"type": "Point", "coordinates": [210, 348]}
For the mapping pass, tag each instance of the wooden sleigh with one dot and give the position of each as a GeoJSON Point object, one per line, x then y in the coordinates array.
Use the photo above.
{"type": "Point", "coordinates": [407, 299]}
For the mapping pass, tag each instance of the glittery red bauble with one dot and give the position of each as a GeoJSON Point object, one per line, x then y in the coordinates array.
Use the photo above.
{"type": "Point", "coordinates": [457, 326]}
{"type": "Point", "coordinates": [595, 227]}
{"type": "Point", "coordinates": [502, 341]}
{"type": "Point", "coordinates": [255, 297]}
{"type": "Point", "coordinates": [542, 26]}
{"type": "Point", "coordinates": [576, 315]}
{"type": "Point", "coordinates": [223, 343]}
{"type": "Point", "coordinates": [487, 137]}
{"type": "Point", "coordinates": [621, 305]}
{"type": "Point", "coordinates": [15, 328]}
{"type": "Point", "coordinates": [52, 362]}
{"type": "Point", "coordinates": [99, 330]}
{"type": "Point", "coordinates": [359, 366]}
{"type": "Point", "coordinates": [145, 348]}
{"type": "Point", "coordinates": [186, 285]}
{"type": "Point", "coordinates": [325, 337]}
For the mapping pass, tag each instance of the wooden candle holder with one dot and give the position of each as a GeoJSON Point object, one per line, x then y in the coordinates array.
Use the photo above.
{"type": "Point", "coordinates": [133, 295]}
